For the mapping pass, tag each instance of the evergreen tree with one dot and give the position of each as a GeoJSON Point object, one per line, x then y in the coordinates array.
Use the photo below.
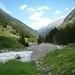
{"type": "Point", "coordinates": [22, 39]}
{"type": "Point", "coordinates": [39, 40]}
{"type": "Point", "coordinates": [42, 39]}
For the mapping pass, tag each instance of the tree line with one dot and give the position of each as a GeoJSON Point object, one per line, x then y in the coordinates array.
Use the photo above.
{"type": "Point", "coordinates": [63, 35]}
{"type": "Point", "coordinates": [17, 30]}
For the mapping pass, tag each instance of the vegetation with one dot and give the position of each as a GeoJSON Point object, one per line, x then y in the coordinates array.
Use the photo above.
{"type": "Point", "coordinates": [7, 33]}
{"type": "Point", "coordinates": [60, 62]}
{"type": "Point", "coordinates": [63, 35]}
{"type": "Point", "coordinates": [15, 67]}
{"type": "Point", "coordinates": [41, 39]}
{"type": "Point", "coordinates": [11, 27]}
{"type": "Point", "coordinates": [6, 19]}
{"type": "Point", "coordinates": [10, 43]}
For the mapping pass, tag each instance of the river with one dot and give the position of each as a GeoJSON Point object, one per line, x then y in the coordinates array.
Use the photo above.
{"type": "Point", "coordinates": [25, 56]}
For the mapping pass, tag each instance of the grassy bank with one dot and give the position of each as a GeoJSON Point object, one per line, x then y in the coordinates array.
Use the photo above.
{"type": "Point", "coordinates": [14, 67]}
{"type": "Point", "coordinates": [9, 43]}
{"type": "Point", "coordinates": [60, 62]}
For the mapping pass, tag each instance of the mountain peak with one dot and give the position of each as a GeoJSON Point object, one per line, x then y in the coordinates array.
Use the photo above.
{"type": "Point", "coordinates": [50, 26]}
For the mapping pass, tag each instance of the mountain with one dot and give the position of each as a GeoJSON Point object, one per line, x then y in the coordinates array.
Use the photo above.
{"type": "Point", "coordinates": [69, 19]}
{"type": "Point", "coordinates": [50, 26]}
{"type": "Point", "coordinates": [18, 23]}
{"type": "Point", "coordinates": [65, 33]}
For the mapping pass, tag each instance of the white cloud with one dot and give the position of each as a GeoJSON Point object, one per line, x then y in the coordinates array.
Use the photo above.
{"type": "Point", "coordinates": [36, 16]}
{"type": "Point", "coordinates": [38, 8]}
{"type": "Point", "coordinates": [31, 9]}
{"type": "Point", "coordinates": [38, 20]}
{"type": "Point", "coordinates": [40, 23]}
{"type": "Point", "coordinates": [44, 7]}
{"type": "Point", "coordinates": [66, 9]}
{"type": "Point", "coordinates": [3, 7]}
{"type": "Point", "coordinates": [23, 7]}
{"type": "Point", "coordinates": [73, 8]}
{"type": "Point", "coordinates": [57, 12]}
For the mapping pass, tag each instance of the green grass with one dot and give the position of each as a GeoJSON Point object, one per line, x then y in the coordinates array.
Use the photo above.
{"type": "Point", "coordinates": [61, 62]}
{"type": "Point", "coordinates": [14, 67]}
{"type": "Point", "coordinates": [7, 33]}
{"type": "Point", "coordinates": [9, 40]}
{"type": "Point", "coordinates": [9, 43]}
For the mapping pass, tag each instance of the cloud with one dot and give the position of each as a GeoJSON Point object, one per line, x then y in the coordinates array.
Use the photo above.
{"type": "Point", "coordinates": [40, 23]}
{"type": "Point", "coordinates": [38, 8]}
{"type": "Point", "coordinates": [38, 20]}
{"type": "Point", "coordinates": [3, 7]}
{"type": "Point", "coordinates": [73, 8]}
{"type": "Point", "coordinates": [31, 9]}
{"type": "Point", "coordinates": [44, 7]}
{"type": "Point", "coordinates": [36, 16]}
{"type": "Point", "coordinates": [66, 9]}
{"type": "Point", "coordinates": [57, 12]}
{"type": "Point", "coordinates": [23, 7]}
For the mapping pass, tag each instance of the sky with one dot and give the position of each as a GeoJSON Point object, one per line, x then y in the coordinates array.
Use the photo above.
{"type": "Point", "coordinates": [37, 13]}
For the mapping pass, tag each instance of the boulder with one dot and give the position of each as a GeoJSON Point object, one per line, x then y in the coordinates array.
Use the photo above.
{"type": "Point", "coordinates": [17, 56]}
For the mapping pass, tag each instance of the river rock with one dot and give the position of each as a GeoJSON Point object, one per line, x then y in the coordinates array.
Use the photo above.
{"type": "Point", "coordinates": [41, 50]}
{"type": "Point", "coordinates": [17, 56]}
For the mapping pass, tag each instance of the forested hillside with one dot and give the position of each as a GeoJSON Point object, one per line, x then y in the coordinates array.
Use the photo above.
{"type": "Point", "coordinates": [15, 29]}
{"type": "Point", "coordinates": [63, 35]}
{"type": "Point", "coordinates": [18, 25]}
{"type": "Point", "coordinates": [49, 27]}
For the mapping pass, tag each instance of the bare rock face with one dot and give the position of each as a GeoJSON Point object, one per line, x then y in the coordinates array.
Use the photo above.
{"type": "Point", "coordinates": [17, 56]}
{"type": "Point", "coordinates": [41, 50]}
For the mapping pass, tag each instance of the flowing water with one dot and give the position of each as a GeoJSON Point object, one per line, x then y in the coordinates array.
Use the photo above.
{"type": "Point", "coordinates": [60, 46]}
{"type": "Point", "coordinates": [25, 56]}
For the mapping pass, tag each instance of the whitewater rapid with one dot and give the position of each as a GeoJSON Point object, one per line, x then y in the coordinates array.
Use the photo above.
{"type": "Point", "coordinates": [25, 56]}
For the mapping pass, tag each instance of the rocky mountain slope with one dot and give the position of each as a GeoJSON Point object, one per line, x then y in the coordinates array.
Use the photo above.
{"type": "Point", "coordinates": [69, 19]}
{"type": "Point", "coordinates": [50, 26]}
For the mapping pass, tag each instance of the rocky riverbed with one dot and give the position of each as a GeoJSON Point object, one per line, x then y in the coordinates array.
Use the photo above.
{"type": "Point", "coordinates": [33, 52]}
{"type": "Point", "coordinates": [24, 56]}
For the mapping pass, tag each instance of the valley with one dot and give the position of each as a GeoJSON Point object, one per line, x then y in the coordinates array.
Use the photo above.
{"type": "Point", "coordinates": [51, 51]}
{"type": "Point", "coordinates": [58, 61]}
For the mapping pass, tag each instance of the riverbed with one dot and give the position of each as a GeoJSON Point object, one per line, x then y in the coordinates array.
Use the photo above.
{"type": "Point", "coordinates": [24, 56]}
{"type": "Point", "coordinates": [35, 52]}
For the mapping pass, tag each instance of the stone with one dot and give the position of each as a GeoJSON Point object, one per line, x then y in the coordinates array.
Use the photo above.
{"type": "Point", "coordinates": [17, 56]}
{"type": "Point", "coordinates": [73, 70]}
{"type": "Point", "coordinates": [60, 55]}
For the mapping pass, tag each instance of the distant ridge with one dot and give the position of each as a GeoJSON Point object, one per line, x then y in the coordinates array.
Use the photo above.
{"type": "Point", "coordinates": [56, 23]}
{"type": "Point", "coordinates": [19, 23]}
{"type": "Point", "coordinates": [69, 19]}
